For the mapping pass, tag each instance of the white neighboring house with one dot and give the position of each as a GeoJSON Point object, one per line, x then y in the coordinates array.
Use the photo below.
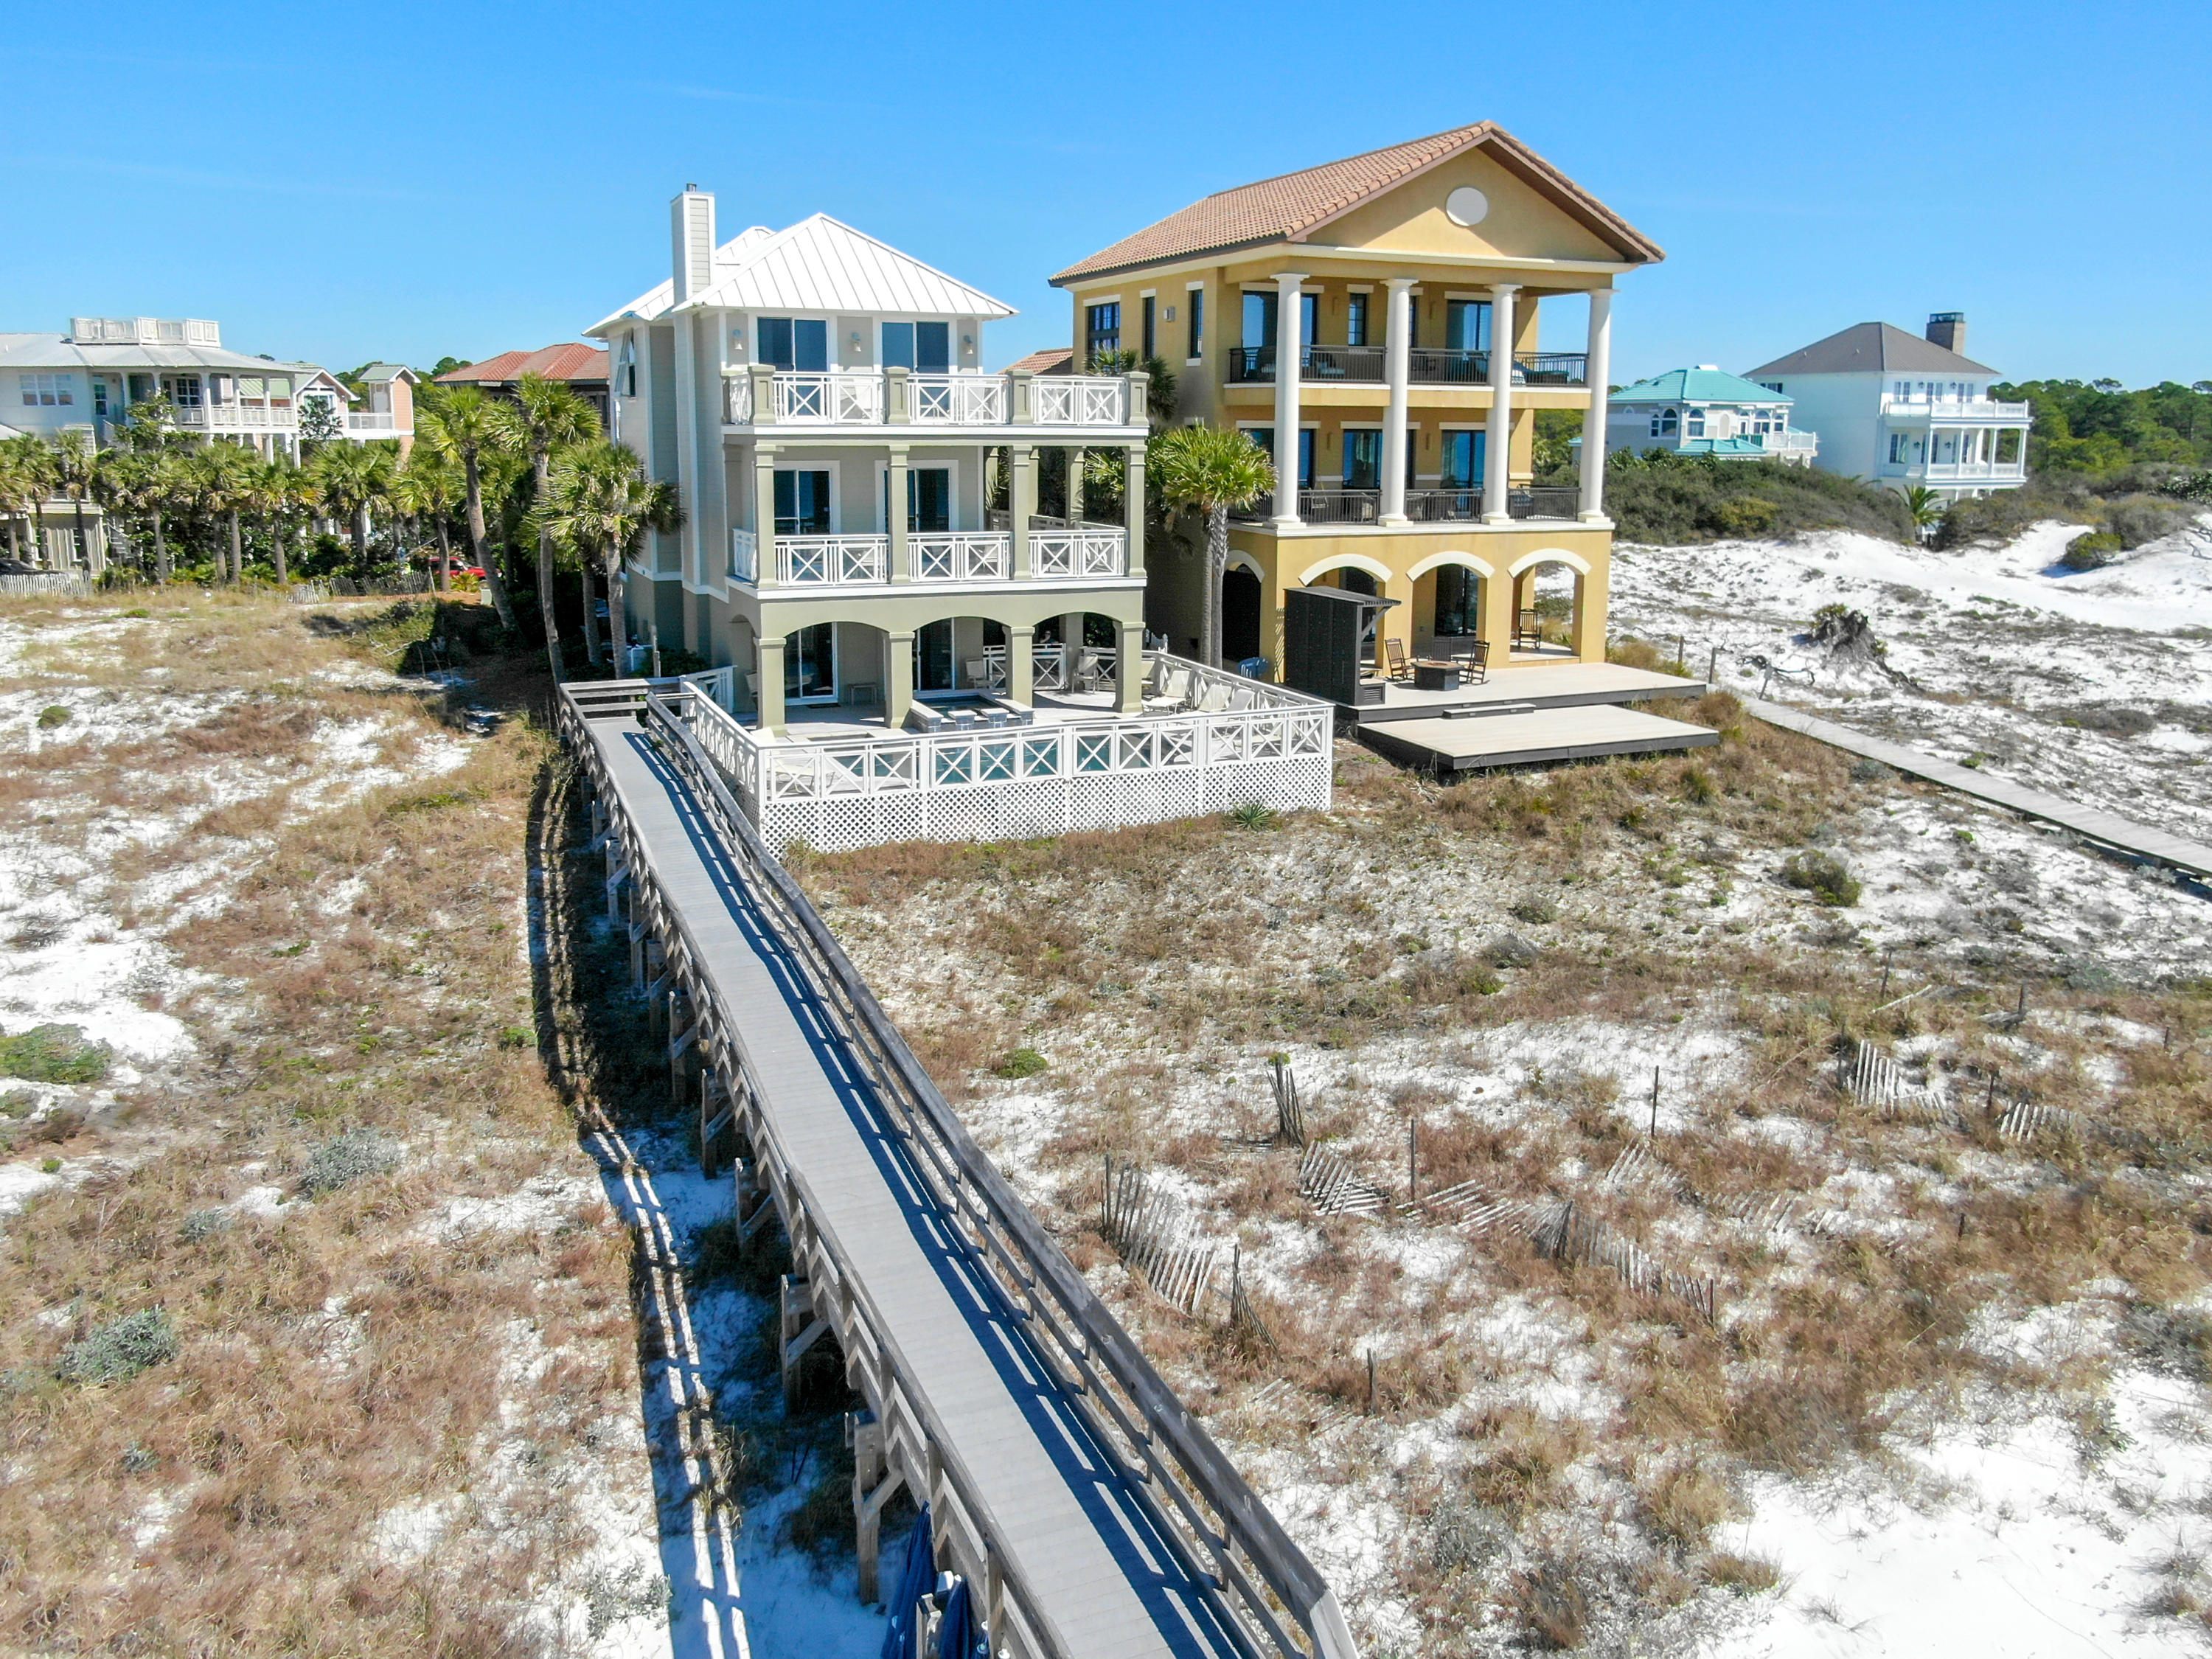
{"type": "Point", "coordinates": [88, 380]}
{"type": "Point", "coordinates": [1902, 410]}
{"type": "Point", "coordinates": [1706, 412]}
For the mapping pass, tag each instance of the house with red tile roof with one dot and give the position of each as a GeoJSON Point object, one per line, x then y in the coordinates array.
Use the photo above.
{"type": "Point", "coordinates": [581, 367]}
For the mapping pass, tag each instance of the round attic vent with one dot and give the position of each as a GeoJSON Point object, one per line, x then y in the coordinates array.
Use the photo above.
{"type": "Point", "coordinates": [1466, 206]}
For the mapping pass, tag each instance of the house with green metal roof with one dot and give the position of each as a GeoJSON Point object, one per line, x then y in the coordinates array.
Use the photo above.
{"type": "Point", "coordinates": [1705, 410]}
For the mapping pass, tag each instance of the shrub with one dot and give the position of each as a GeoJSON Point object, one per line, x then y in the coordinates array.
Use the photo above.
{"type": "Point", "coordinates": [1748, 516]}
{"type": "Point", "coordinates": [204, 1223]}
{"type": "Point", "coordinates": [1824, 875]}
{"type": "Point", "coordinates": [1670, 500]}
{"type": "Point", "coordinates": [119, 1350]}
{"type": "Point", "coordinates": [1255, 815]}
{"type": "Point", "coordinates": [1535, 907]}
{"type": "Point", "coordinates": [1023, 1062]}
{"type": "Point", "coordinates": [2139, 519]}
{"type": "Point", "coordinates": [54, 1053]}
{"type": "Point", "coordinates": [345, 1158]}
{"type": "Point", "coordinates": [52, 715]}
{"type": "Point", "coordinates": [2091, 552]}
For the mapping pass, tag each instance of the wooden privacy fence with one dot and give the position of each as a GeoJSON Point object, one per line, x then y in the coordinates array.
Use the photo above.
{"type": "Point", "coordinates": [1219, 1537]}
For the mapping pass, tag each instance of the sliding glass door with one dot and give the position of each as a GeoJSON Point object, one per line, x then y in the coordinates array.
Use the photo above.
{"type": "Point", "coordinates": [810, 664]}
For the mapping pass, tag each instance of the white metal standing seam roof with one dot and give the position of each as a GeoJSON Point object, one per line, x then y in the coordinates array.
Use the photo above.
{"type": "Point", "coordinates": [820, 265]}
{"type": "Point", "coordinates": [59, 351]}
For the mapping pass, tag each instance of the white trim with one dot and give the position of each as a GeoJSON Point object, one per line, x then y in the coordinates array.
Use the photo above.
{"type": "Point", "coordinates": [1201, 282]}
{"type": "Point", "coordinates": [1574, 562]}
{"type": "Point", "coordinates": [1240, 560]}
{"type": "Point", "coordinates": [1220, 258]}
{"type": "Point", "coordinates": [1465, 561]}
{"type": "Point", "coordinates": [1375, 568]}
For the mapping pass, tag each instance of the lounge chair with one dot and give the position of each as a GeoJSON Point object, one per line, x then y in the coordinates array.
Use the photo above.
{"type": "Point", "coordinates": [1215, 700]}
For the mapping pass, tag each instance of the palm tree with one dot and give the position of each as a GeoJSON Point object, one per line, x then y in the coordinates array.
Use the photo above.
{"type": "Point", "coordinates": [224, 474]}
{"type": "Point", "coordinates": [598, 500]}
{"type": "Point", "coordinates": [460, 424]}
{"type": "Point", "coordinates": [1925, 507]}
{"type": "Point", "coordinates": [275, 491]}
{"type": "Point", "coordinates": [75, 469]}
{"type": "Point", "coordinates": [351, 479]}
{"type": "Point", "coordinates": [1159, 392]}
{"type": "Point", "coordinates": [428, 487]}
{"type": "Point", "coordinates": [1207, 470]}
{"type": "Point", "coordinates": [22, 484]}
{"type": "Point", "coordinates": [547, 416]}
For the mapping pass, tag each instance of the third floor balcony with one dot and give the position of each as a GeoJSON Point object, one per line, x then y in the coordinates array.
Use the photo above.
{"type": "Point", "coordinates": [1424, 365]}
{"type": "Point", "coordinates": [898, 397]}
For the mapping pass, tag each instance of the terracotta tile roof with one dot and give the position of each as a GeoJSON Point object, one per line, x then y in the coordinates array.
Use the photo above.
{"type": "Point", "coordinates": [1286, 208]}
{"type": "Point", "coordinates": [554, 362]}
{"type": "Point", "coordinates": [1053, 360]}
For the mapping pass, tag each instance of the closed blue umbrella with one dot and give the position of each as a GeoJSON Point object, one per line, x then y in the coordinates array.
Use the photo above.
{"type": "Point", "coordinates": [915, 1579]}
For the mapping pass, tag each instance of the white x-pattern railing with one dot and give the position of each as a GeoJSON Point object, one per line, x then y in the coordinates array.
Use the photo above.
{"type": "Point", "coordinates": [1079, 552]}
{"type": "Point", "coordinates": [834, 399]}
{"type": "Point", "coordinates": [1080, 400]}
{"type": "Point", "coordinates": [960, 556]}
{"type": "Point", "coordinates": [957, 400]}
{"type": "Point", "coordinates": [831, 560]}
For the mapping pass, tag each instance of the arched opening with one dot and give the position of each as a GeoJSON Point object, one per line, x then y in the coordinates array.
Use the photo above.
{"type": "Point", "coordinates": [1448, 604]}
{"type": "Point", "coordinates": [1240, 614]}
{"type": "Point", "coordinates": [1547, 604]}
{"type": "Point", "coordinates": [1073, 653]}
{"type": "Point", "coordinates": [836, 677]}
{"type": "Point", "coordinates": [1354, 579]}
{"type": "Point", "coordinates": [959, 657]}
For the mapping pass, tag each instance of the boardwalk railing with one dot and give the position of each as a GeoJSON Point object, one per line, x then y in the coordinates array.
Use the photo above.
{"type": "Point", "coordinates": [1234, 1552]}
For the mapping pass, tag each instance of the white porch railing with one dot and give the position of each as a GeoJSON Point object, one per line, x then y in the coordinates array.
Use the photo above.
{"type": "Point", "coordinates": [1954, 471]}
{"type": "Point", "coordinates": [831, 560]}
{"type": "Point", "coordinates": [839, 399]}
{"type": "Point", "coordinates": [374, 419]}
{"type": "Point", "coordinates": [957, 400]}
{"type": "Point", "coordinates": [960, 556]}
{"type": "Point", "coordinates": [744, 556]}
{"type": "Point", "coordinates": [1079, 552]}
{"type": "Point", "coordinates": [1954, 408]}
{"type": "Point", "coordinates": [1788, 443]}
{"type": "Point", "coordinates": [1080, 400]}
{"type": "Point", "coordinates": [1030, 781]}
{"type": "Point", "coordinates": [738, 400]}
{"type": "Point", "coordinates": [232, 417]}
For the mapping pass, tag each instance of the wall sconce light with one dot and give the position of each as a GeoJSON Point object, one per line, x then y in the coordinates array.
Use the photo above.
{"type": "Point", "coordinates": [968, 341]}
{"type": "Point", "coordinates": [855, 337]}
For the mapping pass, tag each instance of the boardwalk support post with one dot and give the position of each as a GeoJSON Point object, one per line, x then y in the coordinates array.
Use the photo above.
{"type": "Point", "coordinates": [875, 1482]}
{"type": "Point", "coordinates": [801, 1328]}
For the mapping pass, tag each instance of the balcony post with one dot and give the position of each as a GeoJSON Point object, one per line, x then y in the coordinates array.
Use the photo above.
{"type": "Point", "coordinates": [763, 377]}
{"type": "Point", "coordinates": [764, 569]}
{"type": "Point", "coordinates": [1129, 669]}
{"type": "Point", "coordinates": [1137, 396]}
{"type": "Point", "coordinates": [1071, 647]}
{"type": "Point", "coordinates": [1021, 665]}
{"type": "Point", "coordinates": [1075, 487]}
{"type": "Point", "coordinates": [1396, 357]}
{"type": "Point", "coordinates": [1498, 457]}
{"type": "Point", "coordinates": [894, 508]}
{"type": "Point", "coordinates": [1133, 509]}
{"type": "Point", "coordinates": [1290, 353]}
{"type": "Point", "coordinates": [898, 396]}
{"type": "Point", "coordinates": [1599, 346]}
{"type": "Point", "coordinates": [1021, 396]}
{"type": "Point", "coordinates": [898, 679]}
{"type": "Point", "coordinates": [769, 699]}
{"type": "Point", "coordinates": [1021, 498]}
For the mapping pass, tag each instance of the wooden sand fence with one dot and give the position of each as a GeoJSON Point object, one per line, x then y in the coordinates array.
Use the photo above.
{"type": "Point", "coordinates": [1568, 1235]}
{"type": "Point", "coordinates": [1155, 1238]}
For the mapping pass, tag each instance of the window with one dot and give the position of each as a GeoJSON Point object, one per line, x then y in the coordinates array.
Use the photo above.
{"type": "Point", "coordinates": [933, 348]}
{"type": "Point", "coordinates": [898, 345]}
{"type": "Point", "coordinates": [1265, 437]}
{"type": "Point", "coordinates": [1363, 460]}
{"type": "Point", "coordinates": [626, 374]}
{"type": "Point", "coordinates": [1259, 318]}
{"type": "Point", "coordinates": [1464, 456]}
{"type": "Point", "coordinates": [928, 498]}
{"type": "Point", "coordinates": [1355, 320]}
{"type": "Point", "coordinates": [184, 390]}
{"type": "Point", "coordinates": [1309, 307]}
{"type": "Point", "coordinates": [802, 503]}
{"type": "Point", "coordinates": [1897, 442]}
{"type": "Point", "coordinates": [1149, 310]}
{"type": "Point", "coordinates": [47, 390]}
{"type": "Point", "coordinates": [810, 664]}
{"type": "Point", "coordinates": [1197, 324]}
{"type": "Point", "coordinates": [99, 397]}
{"type": "Point", "coordinates": [795, 343]}
{"type": "Point", "coordinates": [1102, 330]}
{"type": "Point", "coordinates": [1668, 423]}
{"type": "Point", "coordinates": [1413, 319]}
{"type": "Point", "coordinates": [1458, 611]}
{"type": "Point", "coordinates": [1696, 429]}
{"type": "Point", "coordinates": [1772, 386]}
{"type": "Point", "coordinates": [1467, 325]}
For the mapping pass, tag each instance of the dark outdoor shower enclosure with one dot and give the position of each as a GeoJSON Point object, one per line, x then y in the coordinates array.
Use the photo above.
{"type": "Point", "coordinates": [1325, 635]}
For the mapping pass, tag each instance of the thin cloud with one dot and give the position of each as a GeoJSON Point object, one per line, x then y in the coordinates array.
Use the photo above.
{"type": "Point", "coordinates": [261, 184]}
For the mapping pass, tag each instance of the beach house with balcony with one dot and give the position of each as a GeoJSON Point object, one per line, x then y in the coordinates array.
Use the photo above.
{"type": "Point", "coordinates": [1388, 327]}
{"type": "Point", "coordinates": [1901, 410]}
{"type": "Point", "coordinates": [907, 641]}
{"type": "Point", "coordinates": [1706, 412]}
{"type": "Point", "coordinates": [863, 535]}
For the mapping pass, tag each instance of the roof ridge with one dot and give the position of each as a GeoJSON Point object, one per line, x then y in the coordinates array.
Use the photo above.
{"type": "Point", "coordinates": [1341, 161]}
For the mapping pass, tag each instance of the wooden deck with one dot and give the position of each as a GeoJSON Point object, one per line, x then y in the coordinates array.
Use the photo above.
{"type": "Point", "coordinates": [1530, 736]}
{"type": "Point", "coordinates": [1547, 685]}
{"type": "Point", "coordinates": [1059, 1505]}
{"type": "Point", "coordinates": [2106, 829]}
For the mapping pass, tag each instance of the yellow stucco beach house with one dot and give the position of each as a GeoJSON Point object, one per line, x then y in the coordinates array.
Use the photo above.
{"type": "Point", "coordinates": [1419, 281]}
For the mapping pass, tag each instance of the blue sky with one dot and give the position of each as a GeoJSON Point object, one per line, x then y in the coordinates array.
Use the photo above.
{"type": "Point", "coordinates": [406, 181]}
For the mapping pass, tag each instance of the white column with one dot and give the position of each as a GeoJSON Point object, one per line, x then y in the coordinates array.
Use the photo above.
{"type": "Point", "coordinates": [1290, 341]}
{"type": "Point", "coordinates": [1500, 443]}
{"type": "Point", "coordinates": [1593, 421]}
{"type": "Point", "coordinates": [1396, 356]}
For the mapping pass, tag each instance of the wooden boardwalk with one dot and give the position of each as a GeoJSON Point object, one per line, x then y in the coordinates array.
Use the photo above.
{"type": "Point", "coordinates": [1072, 1537]}
{"type": "Point", "coordinates": [2105, 829]}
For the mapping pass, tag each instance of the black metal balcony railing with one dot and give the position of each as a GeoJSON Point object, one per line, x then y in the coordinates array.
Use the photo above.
{"type": "Point", "coordinates": [1428, 366]}
{"type": "Point", "coordinates": [1422, 505]}
{"type": "Point", "coordinates": [1340, 505]}
{"type": "Point", "coordinates": [1444, 506]}
{"type": "Point", "coordinates": [1425, 366]}
{"type": "Point", "coordinates": [1551, 369]}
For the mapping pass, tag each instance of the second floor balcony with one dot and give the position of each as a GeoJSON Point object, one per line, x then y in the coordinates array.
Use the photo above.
{"type": "Point", "coordinates": [234, 418]}
{"type": "Point", "coordinates": [898, 397]}
{"type": "Point", "coordinates": [1362, 365]}
{"type": "Point", "coordinates": [1058, 551]}
{"type": "Point", "coordinates": [1973, 410]}
{"type": "Point", "coordinates": [1359, 506]}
